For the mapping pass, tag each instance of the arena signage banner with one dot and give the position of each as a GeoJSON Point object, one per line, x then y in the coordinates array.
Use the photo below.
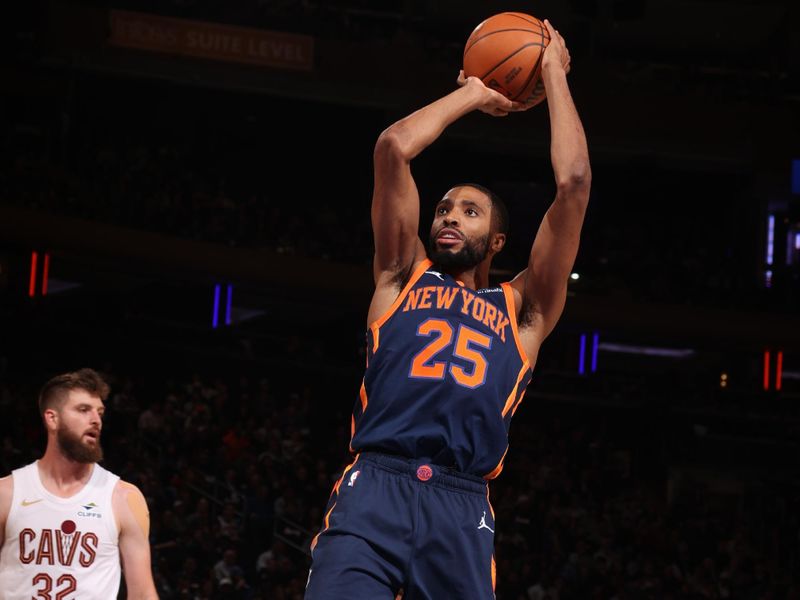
{"type": "Point", "coordinates": [211, 40]}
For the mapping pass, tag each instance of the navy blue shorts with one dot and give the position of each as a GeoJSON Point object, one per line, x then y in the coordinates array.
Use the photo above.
{"type": "Point", "coordinates": [393, 524]}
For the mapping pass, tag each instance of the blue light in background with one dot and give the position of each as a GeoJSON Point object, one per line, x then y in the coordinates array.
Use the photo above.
{"type": "Point", "coordinates": [770, 238]}
{"type": "Point", "coordinates": [582, 358]}
{"type": "Point", "coordinates": [215, 317]}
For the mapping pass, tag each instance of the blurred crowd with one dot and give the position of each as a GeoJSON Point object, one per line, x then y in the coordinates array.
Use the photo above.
{"type": "Point", "coordinates": [216, 187]}
{"type": "Point", "coordinates": [237, 471]}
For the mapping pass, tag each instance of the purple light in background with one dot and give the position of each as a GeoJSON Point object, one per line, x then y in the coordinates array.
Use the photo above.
{"type": "Point", "coordinates": [595, 345]}
{"type": "Point", "coordinates": [215, 317]}
{"type": "Point", "coordinates": [582, 358]}
{"type": "Point", "coordinates": [797, 241]}
{"type": "Point", "coordinates": [228, 305]}
{"type": "Point", "coordinates": [768, 279]}
{"type": "Point", "coordinates": [770, 238]}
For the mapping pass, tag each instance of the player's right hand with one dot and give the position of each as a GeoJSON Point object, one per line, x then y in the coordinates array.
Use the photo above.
{"type": "Point", "coordinates": [556, 54]}
{"type": "Point", "coordinates": [492, 102]}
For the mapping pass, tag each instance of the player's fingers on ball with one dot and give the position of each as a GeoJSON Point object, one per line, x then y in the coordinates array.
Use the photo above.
{"type": "Point", "coordinates": [461, 80]}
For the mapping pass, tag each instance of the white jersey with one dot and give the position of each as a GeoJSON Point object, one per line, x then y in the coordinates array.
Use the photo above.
{"type": "Point", "coordinates": [60, 548]}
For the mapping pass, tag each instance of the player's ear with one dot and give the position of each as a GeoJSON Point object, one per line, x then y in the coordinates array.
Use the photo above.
{"type": "Point", "coordinates": [50, 418]}
{"type": "Point", "coordinates": [498, 242]}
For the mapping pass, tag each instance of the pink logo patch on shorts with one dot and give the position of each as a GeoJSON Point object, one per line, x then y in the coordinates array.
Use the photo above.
{"type": "Point", "coordinates": [424, 473]}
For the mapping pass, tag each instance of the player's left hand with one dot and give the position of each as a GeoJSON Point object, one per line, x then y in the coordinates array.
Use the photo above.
{"type": "Point", "coordinates": [493, 102]}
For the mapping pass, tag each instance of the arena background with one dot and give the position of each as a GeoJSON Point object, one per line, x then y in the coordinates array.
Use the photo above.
{"type": "Point", "coordinates": [184, 205]}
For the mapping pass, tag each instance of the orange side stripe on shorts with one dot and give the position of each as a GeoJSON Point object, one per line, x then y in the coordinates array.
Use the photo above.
{"type": "Point", "coordinates": [335, 490]}
{"type": "Point", "coordinates": [325, 528]}
{"type": "Point", "coordinates": [491, 508]}
{"type": "Point", "coordinates": [494, 574]}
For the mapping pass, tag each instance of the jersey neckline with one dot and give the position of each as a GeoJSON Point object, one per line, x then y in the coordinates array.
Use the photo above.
{"type": "Point", "coordinates": [37, 481]}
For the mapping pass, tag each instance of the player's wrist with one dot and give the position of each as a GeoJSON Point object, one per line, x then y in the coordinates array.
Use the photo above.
{"type": "Point", "coordinates": [552, 74]}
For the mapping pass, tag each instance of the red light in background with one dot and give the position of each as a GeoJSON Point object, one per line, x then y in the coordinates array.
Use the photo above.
{"type": "Point", "coordinates": [32, 285]}
{"type": "Point", "coordinates": [45, 272]}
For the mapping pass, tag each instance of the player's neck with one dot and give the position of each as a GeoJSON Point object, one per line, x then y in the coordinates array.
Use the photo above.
{"type": "Point", "coordinates": [58, 472]}
{"type": "Point", "coordinates": [474, 278]}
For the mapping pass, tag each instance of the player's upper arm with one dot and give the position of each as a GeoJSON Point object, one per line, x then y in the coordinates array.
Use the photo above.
{"type": "Point", "coordinates": [543, 285]}
{"type": "Point", "coordinates": [130, 508]}
{"type": "Point", "coordinates": [395, 207]}
{"type": "Point", "coordinates": [6, 497]}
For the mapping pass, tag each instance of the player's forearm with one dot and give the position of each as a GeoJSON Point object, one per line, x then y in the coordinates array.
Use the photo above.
{"type": "Point", "coordinates": [568, 149]}
{"type": "Point", "coordinates": [142, 594]}
{"type": "Point", "coordinates": [411, 135]}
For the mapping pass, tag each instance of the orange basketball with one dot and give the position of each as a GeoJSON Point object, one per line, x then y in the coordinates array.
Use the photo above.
{"type": "Point", "coordinates": [505, 52]}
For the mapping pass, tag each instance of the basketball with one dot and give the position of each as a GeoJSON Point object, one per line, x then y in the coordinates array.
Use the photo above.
{"type": "Point", "coordinates": [505, 52]}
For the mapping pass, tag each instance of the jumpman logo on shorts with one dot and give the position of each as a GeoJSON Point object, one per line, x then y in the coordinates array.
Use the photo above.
{"type": "Point", "coordinates": [483, 525]}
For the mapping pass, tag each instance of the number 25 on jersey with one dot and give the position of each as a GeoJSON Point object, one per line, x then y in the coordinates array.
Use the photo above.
{"type": "Point", "coordinates": [425, 366]}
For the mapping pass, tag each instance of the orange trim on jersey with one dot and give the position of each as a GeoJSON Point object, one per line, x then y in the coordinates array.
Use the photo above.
{"type": "Point", "coordinates": [335, 490]}
{"type": "Point", "coordinates": [511, 309]}
{"type": "Point", "coordinates": [362, 393]}
{"type": "Point", "coordinates": [498, 469]}
{"type": "Point", "coordinates": [491, 508]}
{"type": "Point", "coordinates": [376, 339]}
{"type": "Point", "coordinates": [376, 325]}
{"type": "Point", "coordinates": [512, 397]}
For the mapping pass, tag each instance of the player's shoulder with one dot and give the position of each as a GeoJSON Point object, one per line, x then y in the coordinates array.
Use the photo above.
{"type": "Point", "coordinates": [6, 496]}
{"type": "Point", "coordinates": [125, 489]}
{"type": "Point", "coordinates": [6, 486]}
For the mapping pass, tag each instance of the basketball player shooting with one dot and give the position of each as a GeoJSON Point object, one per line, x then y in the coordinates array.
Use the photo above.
{"type": "Point", "coordinates": [448, 361]}
{"type": "Point", "coordinates": [66, 522]}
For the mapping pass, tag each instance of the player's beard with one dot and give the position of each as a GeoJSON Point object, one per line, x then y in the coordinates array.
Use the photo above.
{"type": "Point", "coordinates": [73, 447]}
{"type": "Point", "coordinates": [471, 254]}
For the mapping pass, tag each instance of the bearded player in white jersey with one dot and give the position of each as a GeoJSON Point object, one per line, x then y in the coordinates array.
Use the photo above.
{"type": "Point", "coordinates": [69, 527]}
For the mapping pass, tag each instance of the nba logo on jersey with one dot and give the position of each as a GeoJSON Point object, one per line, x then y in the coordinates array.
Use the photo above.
{"type": "Point", "coordinates": [353, 478]}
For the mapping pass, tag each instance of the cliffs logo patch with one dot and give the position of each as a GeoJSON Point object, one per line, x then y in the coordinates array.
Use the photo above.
{"type": "Point", "coordinates": [90, 510]}
{"type": "Point", "coordinates": [424, 472]}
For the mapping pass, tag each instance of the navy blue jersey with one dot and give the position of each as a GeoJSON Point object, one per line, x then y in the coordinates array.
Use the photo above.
{"type": "Point", "coordinates": [445, 373]}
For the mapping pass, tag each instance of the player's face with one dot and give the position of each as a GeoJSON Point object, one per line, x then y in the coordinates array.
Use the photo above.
{"type": "Point", "coordinates": [461, 228]}
{"type": "Point", "coordinates": [79, 426]}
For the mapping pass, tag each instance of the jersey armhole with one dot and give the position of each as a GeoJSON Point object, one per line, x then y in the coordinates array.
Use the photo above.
{"type": "Point", "coordinates": [511, 308]}
{"type": "Point", "coordinates": [112, 525]}
{"type": "Point", "coordinates": [376, 325]}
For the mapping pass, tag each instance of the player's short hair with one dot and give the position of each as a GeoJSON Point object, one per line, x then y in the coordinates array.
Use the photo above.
{"type": "Point", "coordinates": [499, 211]}
{"type": "Point", "coordinates": [55, 391]}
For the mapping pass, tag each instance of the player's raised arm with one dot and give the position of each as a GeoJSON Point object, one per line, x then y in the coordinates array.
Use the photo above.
{"type": "Point", "coordinates": [395, 201]}
{"type": "Point", "coordinates": [543, 285]}
{"type": "Point", "coordinates": [130, 508]}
